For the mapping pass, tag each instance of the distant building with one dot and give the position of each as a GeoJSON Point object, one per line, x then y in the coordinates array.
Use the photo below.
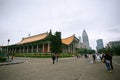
{"type": "Point", "coordinates": [113, 44]}
{"type": "Point", "coordinates": [85, 39]}
{"type": "Point", "coordinates": [99, 44]}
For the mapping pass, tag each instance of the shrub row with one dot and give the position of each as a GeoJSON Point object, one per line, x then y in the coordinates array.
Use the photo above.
{"type": "Point", "coordinates": [41, 55]}
{"type": "Point", "coordinates": [3, 59]}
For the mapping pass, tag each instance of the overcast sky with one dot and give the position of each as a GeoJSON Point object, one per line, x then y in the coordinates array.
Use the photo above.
{"type": "Point", "coordinates": [100, 19]}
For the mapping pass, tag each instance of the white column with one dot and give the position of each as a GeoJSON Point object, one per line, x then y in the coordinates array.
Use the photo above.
{"type": "Point", "coordinates": [23, 49]}
{"type": "Point", "coordinates": [20, 50]}
{"type": "Point", "coordinates": [37, 48]}
{"type": "Point", "coordinates": [48, 47]}
{"type": "Point", "coordinates": [15, 50]}
{"type": "Point", "coordinates": [27, 48]}
{"type": "Point", "coordinates": [32, 49]}
{"type": "Point", "coordinates": [69, 49]}
{"type": "Point", "coordinates": [43, 47]}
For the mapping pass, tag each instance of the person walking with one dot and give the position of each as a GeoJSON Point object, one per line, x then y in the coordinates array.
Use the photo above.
{"type": "Point", "coordinates": [107, 59]}
{"type": "Point", "coordinates": [12, 57]}
{"type": "Point", "coordinates": [53, 58]}
{"type": "Point", "coordinates": [111, 65]}
{"type": "Point", "coordinates": [56, 57]}
{"type": "Point", "coordinates": [94, 57]}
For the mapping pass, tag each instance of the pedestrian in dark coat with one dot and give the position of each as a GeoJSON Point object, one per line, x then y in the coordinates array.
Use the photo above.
{"type": "Point", "coordinates": [107, 58]}
{"type": "Point", "coordinates": [94, 57]}
{"type": "Point", "coordinates": [111, 65]}
{"type": "Point", "coordinates": [53, 58]}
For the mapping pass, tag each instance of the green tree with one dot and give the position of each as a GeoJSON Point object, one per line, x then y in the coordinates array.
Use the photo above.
{"type": "Point", "coordinates": [86, 51]}
{"type": "Point", "coordinates": [56, 43]}
{"type": "Point", "coordinates": [111, 50]}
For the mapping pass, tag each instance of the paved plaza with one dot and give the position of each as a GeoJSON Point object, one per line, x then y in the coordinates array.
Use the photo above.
{"type": "Point", "coordinates": [65, 69]}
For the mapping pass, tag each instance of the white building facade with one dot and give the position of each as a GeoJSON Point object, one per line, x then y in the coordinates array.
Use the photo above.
{"type": "Point", "coordinates": [113, 44]}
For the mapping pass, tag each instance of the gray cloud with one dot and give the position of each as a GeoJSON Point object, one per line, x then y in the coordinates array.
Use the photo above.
{"type": "Point", "coordinates": [100, 18]}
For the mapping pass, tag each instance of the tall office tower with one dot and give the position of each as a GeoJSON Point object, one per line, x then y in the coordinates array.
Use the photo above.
{"type": "Point", "coordinates": [99, 44]}
{"type": "Point", "coordinates": [85, 39]}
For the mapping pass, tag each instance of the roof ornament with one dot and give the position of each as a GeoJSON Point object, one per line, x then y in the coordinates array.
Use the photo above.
{"type": "Point", "coordinates": [29, 35]}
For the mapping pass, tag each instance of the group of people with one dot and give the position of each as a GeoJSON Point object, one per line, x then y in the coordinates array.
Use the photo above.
{"type": "Point", "coordinates": [86, 56]}
{"type": "Point", "coordinates": [97, 57]}
{"type": "Point", "coordinates": [106, 58]}
{"type": "Point", "coordinates": [10, 58]}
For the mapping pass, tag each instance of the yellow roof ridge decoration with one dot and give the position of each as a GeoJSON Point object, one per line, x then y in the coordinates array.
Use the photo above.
{"type": "Point", "coordinates": [33, 38]}
{"type": "Point", "coordinates": [68, 40]}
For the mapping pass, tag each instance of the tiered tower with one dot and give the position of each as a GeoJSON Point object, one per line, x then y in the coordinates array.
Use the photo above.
{"type": "Point", "coordinates": [85, 39]}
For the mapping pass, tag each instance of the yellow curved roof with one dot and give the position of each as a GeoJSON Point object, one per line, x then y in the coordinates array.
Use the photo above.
{"type": "Point", "coordinates": [68, 40]}
{"type": "Point", "coordinates": [33, 38]}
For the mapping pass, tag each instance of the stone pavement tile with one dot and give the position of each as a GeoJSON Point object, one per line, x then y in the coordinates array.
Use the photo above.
{"type": "Point", "coordinates": [64, 69]}
{"type": "Point", "coordinates": [10, 63]}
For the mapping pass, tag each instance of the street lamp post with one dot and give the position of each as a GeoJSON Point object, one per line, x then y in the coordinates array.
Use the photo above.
{"type": "Point", "coordinates": [8, 45]}
{"type": "Point", "coordinates": [7, 49]}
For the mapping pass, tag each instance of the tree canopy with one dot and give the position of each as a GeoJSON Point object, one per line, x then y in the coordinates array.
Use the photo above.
{"type": "Point", "coordinates": [111, 50]}
{"type": "Point", "coordinates": [56, 43]}
{"type": "Point", "coordinates": [86, 51]}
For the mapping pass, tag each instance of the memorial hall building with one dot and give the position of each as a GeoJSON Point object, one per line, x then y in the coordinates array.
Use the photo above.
{"type": "Point", "coordinates": [41, 44]}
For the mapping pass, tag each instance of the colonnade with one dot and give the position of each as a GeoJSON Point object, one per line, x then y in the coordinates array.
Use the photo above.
{"type": "Point", "coordinates": [37, 48]}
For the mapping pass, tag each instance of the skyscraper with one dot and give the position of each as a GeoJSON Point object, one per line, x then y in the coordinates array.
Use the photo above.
{"type": "Point", "coordinates": [85, 39]}
{"type": "Point", "coordinates": [99, 44]}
